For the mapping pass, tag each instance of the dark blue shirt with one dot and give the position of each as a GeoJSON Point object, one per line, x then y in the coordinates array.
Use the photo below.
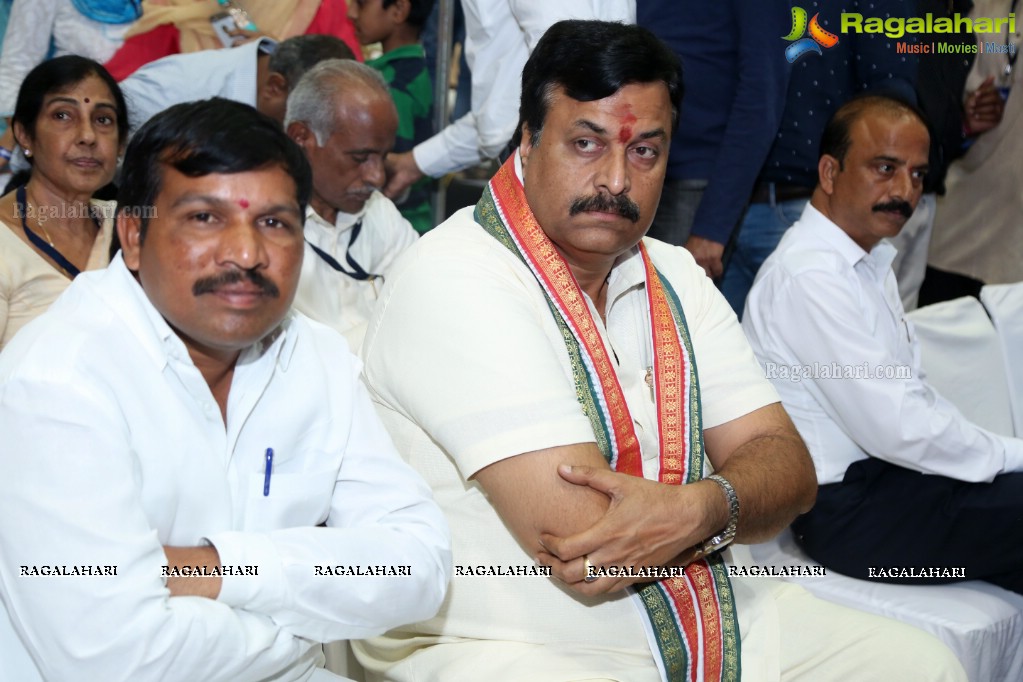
{"type": "Point", "coordinates": [819, 84]}
{"type": "Point", "coordinates": [735, 72]}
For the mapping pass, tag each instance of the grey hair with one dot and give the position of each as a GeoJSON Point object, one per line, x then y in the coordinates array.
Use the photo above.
{"type": "Point", "coordinates": [312, 100]}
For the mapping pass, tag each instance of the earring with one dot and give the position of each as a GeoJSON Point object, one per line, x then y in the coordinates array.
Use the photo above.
{"type": "Point", "coordinates": [28, 153]}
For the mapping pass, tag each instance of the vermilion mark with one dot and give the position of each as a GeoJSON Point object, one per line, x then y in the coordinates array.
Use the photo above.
{"type": "Point", "coordinates": [86, 100]}
{"type": "Point", "coordinates": [244, 203]}
{"type": "Point", "coordinates": [625, 133]}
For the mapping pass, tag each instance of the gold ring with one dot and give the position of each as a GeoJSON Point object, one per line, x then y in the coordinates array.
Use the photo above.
{"type": "Point", "coordinates": [588, 577]}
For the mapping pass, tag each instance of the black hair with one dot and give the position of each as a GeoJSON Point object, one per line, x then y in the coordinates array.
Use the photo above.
{"type": "Point", "coordinates": [59, 74]}
{"type": "Point", "coordinates": [837, 139]}
{"type": "Point", "coordinates": [418, 11]}
{"type": "Point", "coordinates": [209, 136]}
{"type": "Point", "coordinates": [296, 55]}
{"type": "Point", "coordinates": [592, 60]}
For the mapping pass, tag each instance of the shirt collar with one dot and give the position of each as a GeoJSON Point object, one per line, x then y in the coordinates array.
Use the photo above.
{"type": "Point", "coordinates": [880, 258]}
{"type": "Point", "coordinates": [342, 223]}
{"type": "Point", "coordinates": [163, 344]}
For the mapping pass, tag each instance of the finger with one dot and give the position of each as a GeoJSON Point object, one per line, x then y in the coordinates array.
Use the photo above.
{"type": "Point", "coordinates": [569, 572]}
{"type": "Point", "coordinates": [393, 188]}
{"type": "Point", "coordinates": [716, 268]}
{"type": "Point", "coordinates": [603, 480]}
{"type": "Point", "coordinates": [565, 549]}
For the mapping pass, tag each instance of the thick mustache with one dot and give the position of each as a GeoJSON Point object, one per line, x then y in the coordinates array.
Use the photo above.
{"type": "Point", "coordinates": [211, 284]}
{"type": "Point", "coordinates": [621, 204]}
{"type": "Point", "coordinates": [902, 207]}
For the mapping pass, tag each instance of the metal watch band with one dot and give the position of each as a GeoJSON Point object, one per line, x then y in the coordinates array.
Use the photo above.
{"type": "Point", "coordinates": [725, 537]}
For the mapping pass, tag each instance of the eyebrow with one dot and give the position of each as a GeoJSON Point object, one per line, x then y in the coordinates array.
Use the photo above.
{"type": "Point", "coordinates": [590, 125]}
{"type": "Point", "coordinates": [71, 100]}
{"type": "Point", "coordinates": [218, 202]}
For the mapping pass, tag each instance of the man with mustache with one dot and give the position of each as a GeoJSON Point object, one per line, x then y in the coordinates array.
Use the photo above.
{"type": "Point", "coordinates": [342, 116]}
{"type": "Point", "coordinates": [583, 397]}
{"type": "Point", "coordinates": [905, 479]}
{"type": "Point", "coordinates": [194, 484]}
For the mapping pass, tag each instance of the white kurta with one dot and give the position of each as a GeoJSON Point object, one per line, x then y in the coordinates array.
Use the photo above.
{"type": "Point", "coordinates": [113, 445]}
{"type": "Point", "coordinates": [468, 368]}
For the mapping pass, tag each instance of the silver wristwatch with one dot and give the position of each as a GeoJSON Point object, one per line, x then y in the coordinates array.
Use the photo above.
{"type": "Point", "coordinates": [725, 537]}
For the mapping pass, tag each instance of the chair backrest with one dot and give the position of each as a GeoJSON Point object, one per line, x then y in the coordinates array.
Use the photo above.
{"type": "Point", "coordinates": [1004, 303]}
{"type": "Point", "coordinates": [961, 355]}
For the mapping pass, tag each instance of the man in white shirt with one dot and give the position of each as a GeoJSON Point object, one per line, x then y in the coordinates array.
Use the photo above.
{"type": "Point", "coordinates": [499, 35]}
{"type": "Point", "coordinates": [535, 358]}
{"type": "Point", "coordinates": [259, 73]}
{"type": "Point", "coordinates": [906, 481]}
{"type": "Point", "coordinates": [342, 115]}
{"type": "Point", "coordinates": [193, 482]}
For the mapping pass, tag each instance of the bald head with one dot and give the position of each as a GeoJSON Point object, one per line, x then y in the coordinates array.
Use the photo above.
{"type": "Point", "coordinates": [837, 133]}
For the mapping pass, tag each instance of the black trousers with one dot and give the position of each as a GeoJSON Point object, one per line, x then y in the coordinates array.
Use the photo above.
{"type": "Point", "coordinates": [882, 516]}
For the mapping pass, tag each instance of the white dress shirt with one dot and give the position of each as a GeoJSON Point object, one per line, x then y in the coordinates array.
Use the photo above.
{"type": "Point", "coordinates": [229, 73]}
{"type": "Point", "coordinates": [499, 35]}
{"type": "Point", "coordinates": [337, 299]}
{"type": "Point", "coordinates": [822, 306]}
{"type": "Point", "coordinates": [113, 445]}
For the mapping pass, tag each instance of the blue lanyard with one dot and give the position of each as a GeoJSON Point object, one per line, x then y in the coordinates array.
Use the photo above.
{"type": "Point", "coordinates": [41, 243]}
{"type": "Point", "coordinates": [357, 271]}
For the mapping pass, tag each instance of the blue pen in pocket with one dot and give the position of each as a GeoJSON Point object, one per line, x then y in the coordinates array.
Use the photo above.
{"type": "Point", "coordinates": [267, 472]}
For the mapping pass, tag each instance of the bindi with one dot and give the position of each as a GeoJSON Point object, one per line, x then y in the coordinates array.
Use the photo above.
{"type": "Point", "coordinates": [86, 100]}
{"type": "Point", "coordinates": [244, 203]}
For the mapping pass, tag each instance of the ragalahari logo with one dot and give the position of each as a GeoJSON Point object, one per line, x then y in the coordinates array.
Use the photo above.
{"type": "Point", "coordinates": [818, 36]}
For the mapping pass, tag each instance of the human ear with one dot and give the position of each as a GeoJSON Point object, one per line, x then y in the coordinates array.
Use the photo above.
{"type": "Point", "coordinates": [300, 133]}
{"type": "Point", "coordinates": [129, 232]}
{"type": "Point", "coordinates": [399, 11]}
{"type": "Point", "coordinates": [827, 169]}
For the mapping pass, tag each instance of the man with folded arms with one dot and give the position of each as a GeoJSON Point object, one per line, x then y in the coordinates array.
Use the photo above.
{"type": "Point", "coordinates": [566, 386]}
{"type": "Point", "coordinates": [169, 417]}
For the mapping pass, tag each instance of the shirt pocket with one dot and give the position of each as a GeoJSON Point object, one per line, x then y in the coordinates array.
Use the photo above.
{"type": "Point", "coordinates": [293, 500]}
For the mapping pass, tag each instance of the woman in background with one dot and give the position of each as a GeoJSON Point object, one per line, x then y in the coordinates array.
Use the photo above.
{"type": "Point", "coordinates": [71, 123]}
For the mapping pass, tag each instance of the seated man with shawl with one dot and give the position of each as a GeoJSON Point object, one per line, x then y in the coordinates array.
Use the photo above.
{"type": "Point", "coordinates": [566, 385]}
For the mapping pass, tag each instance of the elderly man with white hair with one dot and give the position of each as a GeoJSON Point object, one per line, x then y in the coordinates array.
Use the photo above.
{"type": "Point", "coordinates": [342, 115]}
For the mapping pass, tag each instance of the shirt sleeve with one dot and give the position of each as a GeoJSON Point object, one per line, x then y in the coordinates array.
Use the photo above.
{"type": "Point", "coordinates": [499, 37]}
{"type": "Point", "coordinates": [486, 381]}
{"type": "Point", "coordinates": [151, 89]}
{"type": "Point", "coordinates": [382, 517]}
{"type": "Point", "coordinates": [67, 481]}
{"type": "Point", "coordinates": [753, 118]}
{"type": "Point", "coordinates": [902, 421]}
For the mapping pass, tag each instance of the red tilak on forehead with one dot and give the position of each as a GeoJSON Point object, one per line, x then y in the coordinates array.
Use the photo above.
{"type": "Point", "coordinates": [244, 203]}
{"type": "Point", "coordinates": [625, 133]}
{"type": "Point", "coordinates": [86, 100]}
